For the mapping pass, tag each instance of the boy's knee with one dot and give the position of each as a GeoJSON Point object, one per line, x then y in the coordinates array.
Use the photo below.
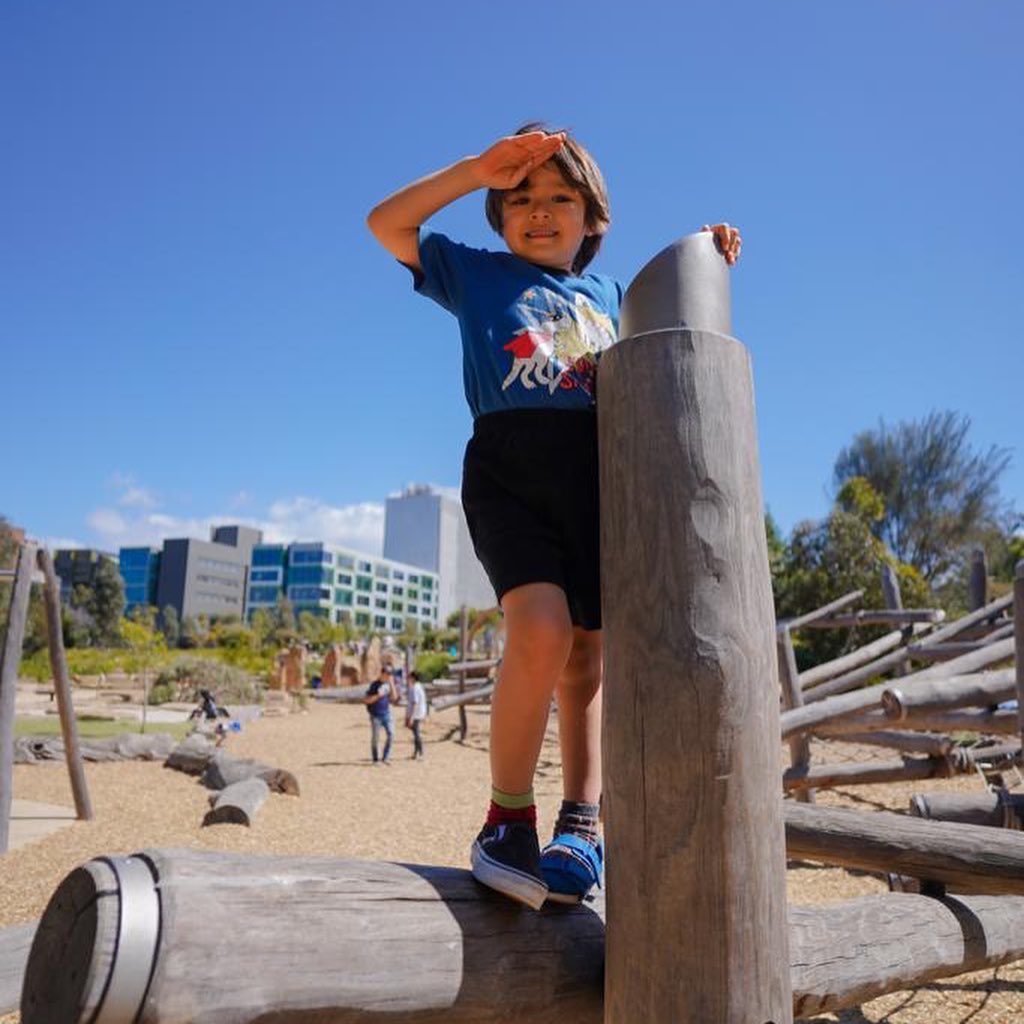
{"type": "Point", "coordinates": [544, 634]}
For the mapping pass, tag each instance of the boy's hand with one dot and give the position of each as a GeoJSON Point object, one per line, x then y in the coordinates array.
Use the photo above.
{"type": "Point", "coordinates": [511, 159]}
{"type": "Point", "coordinates": [728, 240]}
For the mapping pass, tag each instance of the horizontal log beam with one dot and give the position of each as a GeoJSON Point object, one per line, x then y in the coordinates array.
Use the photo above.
{"type": "Point", "coordinates": [878, 617]}
{"type": "Point", "coordinates": [932, 744]}
{"type": "Point", "coordinates": [812, 677]}
{"type": "Point", "coordinates": [826, 609]}
{"type": "Point", "coordinates": [966, 857]}
{"type": "Point", "coordinates": [458, 699]}
{"type": "Point", "coordinates": [465, 955]}
{"type": "Point", "coordinates": [1002, 722]}
{"type": "Point", "coordinates": [997, 808]}
{"type": "Point", "coordinates": [907, 769]}
{"type": "Point", "coordinates": [981, 690]}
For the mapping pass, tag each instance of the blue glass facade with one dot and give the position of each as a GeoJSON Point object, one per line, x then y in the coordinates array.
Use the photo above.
{"type": "Point", "coordinates": [140, 571]}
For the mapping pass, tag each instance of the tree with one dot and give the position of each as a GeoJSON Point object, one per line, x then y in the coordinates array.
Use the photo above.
{"type": "Point", "coordinates": [143, 640]}
{"type": "Point", "coordinates": [170, 625]}
{"type": "Point", "coordinates": [939, 494]}
{"type": "Point", "coordinates": [107, 603]}
{"type": "Point", "coordinates": [824, 560]}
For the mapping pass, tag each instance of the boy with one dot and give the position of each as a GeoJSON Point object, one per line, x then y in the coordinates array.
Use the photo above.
{"type": "Point", "coordinates": [533, 326]}
{"type": "Point", "coordinates": [380, 695]}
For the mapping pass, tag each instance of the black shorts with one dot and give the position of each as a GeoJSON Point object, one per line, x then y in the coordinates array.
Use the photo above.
{"type": "Point", "coordinates": [529, 489]}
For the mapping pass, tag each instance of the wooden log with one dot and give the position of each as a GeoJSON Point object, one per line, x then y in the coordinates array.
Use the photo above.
{"type": "Point", "coordinates": [830, 776]}
{"type": "Point", "coordinates": [15, 943]}
{"type": "Point", "coordinates": [990, 654]}
{"type": "Point", "coordinates": [894, 602]}
{"type": "Point", "coordinates": [10, 659]}
{"type": "Point", "coordinates": [847, 662]}
{"type": "Point", "coordinates": [908, 742]}
{"type": "Point", "coordinates": [978, 583]}
{"type": "Point", "coordinates": [948, 650]}
{"type": "Point", "coordinates": [849, 681]}
{"type": "Point", "coordinates": [1018, 626]}
{"type": "Point", "coordinates": [191, 755]}
{"type": "Point", "coordinates": [237, 939]}
{"type": "Point", "coordinates": [129, 746]}
{"type": "Point", "coordinates": [799, 744]}
{"type": "Point", "coordinates": [341, 694]}
{"type": "Point", "coordinates": [461, 699]}
{"type": "Point", "coordinates": [474, 668]}
{"type": "Point", "coordinates": [238, 803]}
{"type": "Point", "coordinates": [997, 808]}
{"type": "Point", "coordinates": [868, 947]}
{"type": "Point", "coordinates": [967, 857]}
{"type": "Point", "coordinates": [688, 650]}
{"type": "Point", "coordinates": [224, 770]}
{"type": "Point", "coordinates": [62, 685]}
{"type": "Point", "coordinates": [1002, 722]}
{"type": "Point", "coordinates": [879, 617]}
{"type": "Point", "coordinates": [955, 628]}
{"type": "Point", "coordinates": [818, 613]}
{"type": "Point", "coordinates": [986, 689]}
{"type": "Point", "coordinates": [463, 654]}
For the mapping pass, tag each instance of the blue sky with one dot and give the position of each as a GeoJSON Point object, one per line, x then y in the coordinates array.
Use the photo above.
{"type": "Point", "coordinates": [195, 325]}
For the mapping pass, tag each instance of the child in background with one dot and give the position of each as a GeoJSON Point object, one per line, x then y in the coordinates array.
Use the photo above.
{"type": "Point", "coordinates": [533, 325]}
{"type": "Point", "coordinates": [415, 712]}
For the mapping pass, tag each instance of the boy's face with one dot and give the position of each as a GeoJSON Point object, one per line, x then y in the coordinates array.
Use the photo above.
{"type": "Point", "coordinates": [544, 220]}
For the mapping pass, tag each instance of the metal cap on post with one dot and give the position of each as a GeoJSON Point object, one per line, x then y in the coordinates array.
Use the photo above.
{"type": "Point", "coordinates": [693, 805]}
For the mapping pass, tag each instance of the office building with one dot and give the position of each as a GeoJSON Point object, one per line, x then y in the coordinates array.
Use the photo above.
{"type": "Point", "coordinates": [340, 584]}
{"type": "Point", "coordinates": [425, 528]}
{"type": "Point", "coordinates": [77, 567]}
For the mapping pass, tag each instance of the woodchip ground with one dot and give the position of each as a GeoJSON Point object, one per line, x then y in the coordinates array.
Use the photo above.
{"type": "Point", "coordinates": [416, 812]}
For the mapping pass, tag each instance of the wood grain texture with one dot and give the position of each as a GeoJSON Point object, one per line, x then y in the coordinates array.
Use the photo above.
{"type": "Point", "coordinates": [971, 856]}
{"type": "Point", "coordinates": [692, 804]}
{"type": "Point", "coordinates": [982, 690]}
{"type": "Point", "coordinates": [997, 808]}
{"type": "Point", "coordinates": [15, 943]}
{"type": "Point", "coordinates": [1001, 722]}
{"type": "Point", "coordinates": [792, 697]}
{"type": "Point", "coordinates": [276, 940]}
{"type": "Point", "coordinates": [847, 662]}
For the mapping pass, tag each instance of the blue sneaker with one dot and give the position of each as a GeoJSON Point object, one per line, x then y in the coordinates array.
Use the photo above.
{"type": "Point", "coordinates": [571, 867]}
{"type": "Point", "coordinates": [506, 858]}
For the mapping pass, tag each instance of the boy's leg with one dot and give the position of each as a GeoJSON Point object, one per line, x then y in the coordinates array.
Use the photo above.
{"type": "Point", "coordinates": [572, 863]}
{"type": "Point", "coordinates": [374, 727]}
{"type": "Point", "coordinates": [506, 854]}
{"type": "Point", "coordinates": [389, 735]}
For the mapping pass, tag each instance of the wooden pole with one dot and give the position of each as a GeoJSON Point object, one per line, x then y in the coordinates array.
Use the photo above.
{"type": "Point", "coordinates": [894, 602]}
{"type": "Point", "coordinates": [692, 803]}
{"type": "Point", "coordinates": [235, 939]}
{"type": "Point", "coordinates": [792, 697]}
{"type": "Point", "coordinates": [463, 656]}
{"type": "Point", "coordinates": [985, 689]}
{"type": "Point", "coordinates": [10, 659]}
{"type": "Point", "coordinates": [979, 579]}
{"type": "Point", "coordinates": [62, 686]}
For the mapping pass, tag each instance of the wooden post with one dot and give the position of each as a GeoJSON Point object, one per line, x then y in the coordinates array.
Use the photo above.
{"type": "Point", "coordinates": [792, 697]}
{"type": "Point", "coordinates": [10, 659]}
{"type": "Point", "coordinates": [62, 686]}
{"type": "Point", "coordinates": [894, 602]}
{"type": "Point", "coordinates": [463, 657]}
{"type": "Point", "coordinates": [696, 856]}
{"type": "Point", "coordinates": [979, 579]}
{"type": "Point", "coordinates": [1018, 629]}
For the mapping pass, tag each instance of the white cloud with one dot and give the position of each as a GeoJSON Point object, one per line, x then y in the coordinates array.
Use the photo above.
{"type": "Point", "coordinates": [137, 497]}
{"type": "Point", "coordinates": [109, 523]}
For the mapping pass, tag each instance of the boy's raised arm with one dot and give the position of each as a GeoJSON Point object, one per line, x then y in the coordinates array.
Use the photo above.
{"type": "Point", "coordinates": [395, 222]}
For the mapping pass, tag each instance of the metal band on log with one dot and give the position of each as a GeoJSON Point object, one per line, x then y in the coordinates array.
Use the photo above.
{"type": "Point", "coordinates": [688, 652]}
{"type": "Point", "coordinates": [241, 939]}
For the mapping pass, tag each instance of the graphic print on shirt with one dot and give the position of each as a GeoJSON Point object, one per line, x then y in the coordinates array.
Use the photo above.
{"type": "Point", "coordinates": [560, 345]}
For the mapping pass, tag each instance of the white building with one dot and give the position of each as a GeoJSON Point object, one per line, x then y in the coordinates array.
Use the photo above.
{"type": "Point", "coordinates": [425, 528]}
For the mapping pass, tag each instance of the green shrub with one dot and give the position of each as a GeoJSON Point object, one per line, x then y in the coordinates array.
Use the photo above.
{"type": "Point", "coordinates": [161, 693]}
{"type": "Point", "coordinates": [433, 664]}
{"type": "Point", "coordinates": [188, 675]}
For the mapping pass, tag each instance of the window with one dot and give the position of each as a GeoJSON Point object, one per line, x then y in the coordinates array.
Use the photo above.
{"type": "Point", "coordinates": [414, 579]}
{"type": "Point", "coordinates": [380, 621]}
{"type": "Point", "coordinates": [362, 619]}
{"type": "Point", "coordinates": [379, 602]}
{"type": "Point", "coordinates": [343, 597]}
{"type": "Point", "coordinates": [345, 579]}
{"type": "Point", "coordinates": [397, 591]}
{"type": "Point", "coordinates": [396, 606]}
{"type": "Point", "coordinates": [382, 588]}
{"type": "Point", "coordinates": [363, 602]}
{"type": "Point", "coordinates": [396, 624]}
{"type": "Point", "coordinates": [365, 567]}
{"type": "Point", "coordinates": [397, 574]}
{"type": "Point", "coordinates": [412, 610]}
{"type": "Point", "coordinates": [381, 570]}
{"type": "Point", "coordinates": [265, 575]}
{"type": "Point", "coordinates": [345, 562]}
{"type": "Point", "coordinates": [414, 594]}
{"type": "Point", "coordinates": [428, 583]}
{"type": "Point", "coordinates": [364, 583]}
{"type": "Point", "coordinates": [310, 556]}
{"type": "Point", "coordinates": [308, 595]}
{"type": "Point", "coordinates": [263, 595]}
{"type": "Point", "coordinates": [268, 555]}
{"type": "Point", "coordinates": [310, 574]}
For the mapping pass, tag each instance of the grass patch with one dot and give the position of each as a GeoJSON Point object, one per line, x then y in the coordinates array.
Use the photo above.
{"type": "Point", "coordinates": [95, 729]}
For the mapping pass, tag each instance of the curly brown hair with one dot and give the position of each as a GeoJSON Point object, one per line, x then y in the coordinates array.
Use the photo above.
{"type": "Point", "coordinates": [580, 171]}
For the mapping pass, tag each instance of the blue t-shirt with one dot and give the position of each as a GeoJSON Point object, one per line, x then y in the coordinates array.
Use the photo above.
{"type": "Point", "coordinates": [379, 708]}
{"type": "Point", "coordinates": [531, 336]}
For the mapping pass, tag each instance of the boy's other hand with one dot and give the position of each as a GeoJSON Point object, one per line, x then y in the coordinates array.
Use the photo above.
{"type": "Point", "coordinates": [505, 164]}
{"type": "Point", "coordinates": [728, 240]}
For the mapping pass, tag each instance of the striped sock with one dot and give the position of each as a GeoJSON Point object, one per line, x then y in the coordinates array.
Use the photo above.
{"type": "Point", "coordinates": [579, 819]}
{"type": "Point", "coordinates": [512, 808]}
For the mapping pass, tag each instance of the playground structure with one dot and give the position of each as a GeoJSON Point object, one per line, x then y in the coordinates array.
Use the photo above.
{"type": "Point", "coordinates": [183, 936]}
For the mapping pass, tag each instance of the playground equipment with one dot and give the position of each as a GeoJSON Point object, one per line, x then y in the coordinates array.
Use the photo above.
{"type": "Point", "coordinates": [696, 927]}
